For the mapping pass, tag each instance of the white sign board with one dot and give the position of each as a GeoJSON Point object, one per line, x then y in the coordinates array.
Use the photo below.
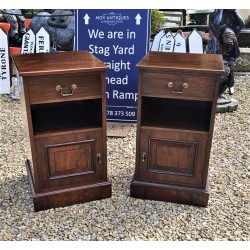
{"type": "Point", "coordinates": [4, 64]}
{"type": "Point", "coordinates": [180, 43]}
{"type": "Point", "coordinates": [195, 43]}
{"type": "Point", "coordinates": [156, 42]}
{"type": "Point", "coordinates": [167, 42]}
{"type": "Point", "coordinates": [42, 41]}
{"type": "Point", "coordinates": [28, 42]}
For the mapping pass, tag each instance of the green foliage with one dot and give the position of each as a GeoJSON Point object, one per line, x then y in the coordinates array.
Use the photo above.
{"type": "Point", "coordinates": [157, 20]}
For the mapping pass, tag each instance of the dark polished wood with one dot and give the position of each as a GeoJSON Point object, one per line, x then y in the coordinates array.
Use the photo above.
{"type": "Point", "coordinates": [65, 128]}
{"type": "Point", "coordinates": [175, 119]}
{"type": "Point", "coordinates": [177, 63]}
{"type": "Point", "coordinates": [59, 63]}
{"type": "Point", "coordinates": [88, 87]}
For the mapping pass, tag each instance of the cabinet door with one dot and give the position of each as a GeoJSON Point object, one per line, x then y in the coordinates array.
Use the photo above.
{"type": "Point", "coordinates": [173, 157]}
{"type": "Point", "coordinates": [70, 160]}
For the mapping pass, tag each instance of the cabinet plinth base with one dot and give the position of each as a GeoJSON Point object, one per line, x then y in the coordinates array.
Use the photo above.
{"type": "Point", "coordinates": [68, 196]}
{"type": "Point", "coordinates": [169, 193]}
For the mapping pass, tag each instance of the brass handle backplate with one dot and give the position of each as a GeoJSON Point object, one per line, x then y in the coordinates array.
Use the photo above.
{"type": "Point", "coordinates": [60, 89]}
{"type": "Point", "coordinates": [171, 86]}
{"type": "Point", "coordinates": [144, 156]}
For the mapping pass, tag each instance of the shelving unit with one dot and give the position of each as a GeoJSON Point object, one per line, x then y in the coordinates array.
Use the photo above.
{"type": "Point", "coordinates": [64, 107]}
{"type": "Point", "coordinates": [176, 111]}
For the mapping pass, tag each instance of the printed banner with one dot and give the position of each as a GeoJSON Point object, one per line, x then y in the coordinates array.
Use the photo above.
{"type": "Point", "coordinates": [119, 38]}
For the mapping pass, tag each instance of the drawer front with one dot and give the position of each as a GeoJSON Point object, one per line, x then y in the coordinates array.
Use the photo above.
{"type": "Point", "coordinates": [182, 86]}
{"type": "Point", "coordinates": [173, 157]}
{"type": "Point", "coordinates": [61, 88]}
{"type": "Point", "coordinates": [70, 160]}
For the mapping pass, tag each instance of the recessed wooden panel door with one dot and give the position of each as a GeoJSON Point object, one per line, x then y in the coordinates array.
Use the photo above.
{"type": "Point", "coordinates": [70, 159]}
{"type": "Point", "coordinates": [173, 157]}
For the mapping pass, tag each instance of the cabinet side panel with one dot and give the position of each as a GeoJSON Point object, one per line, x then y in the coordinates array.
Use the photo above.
{"type": "Point", "coordinates": [211, 128]}
{"type": "Point", "coordinates": [138, 130]}
{"type": "Point", "coordinates": [104, 125]}
{"type": "Point", "coordinates": [27, 139]}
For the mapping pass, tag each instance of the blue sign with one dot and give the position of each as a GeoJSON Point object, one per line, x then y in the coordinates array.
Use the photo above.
{"type": "Point", "coordinates": [119, 38]}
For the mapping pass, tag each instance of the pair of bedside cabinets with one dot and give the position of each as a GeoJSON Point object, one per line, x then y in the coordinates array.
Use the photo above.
{"type": "Point", "coordinates": [63, 97]}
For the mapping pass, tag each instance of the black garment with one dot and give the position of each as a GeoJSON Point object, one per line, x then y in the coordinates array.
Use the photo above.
{"type": "Point", "coordinates": [17, 24]}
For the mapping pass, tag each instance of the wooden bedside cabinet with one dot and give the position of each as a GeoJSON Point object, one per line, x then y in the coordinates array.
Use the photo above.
{"type": "Point", "coordinates": [176, 111]}
{"type": "Point", "coordinates": [64, 107]}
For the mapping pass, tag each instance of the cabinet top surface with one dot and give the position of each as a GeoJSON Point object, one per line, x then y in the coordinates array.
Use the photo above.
{"type": "Point", "coordinates": [182, 61]}
{"type": "Point", "coordinates": [57, 63]}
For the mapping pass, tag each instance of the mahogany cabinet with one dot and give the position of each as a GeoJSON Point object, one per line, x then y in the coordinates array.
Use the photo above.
{"type": "Point", "coordinates": [64, 112]}
{"type": "Point", "coordinates": [176, 110]}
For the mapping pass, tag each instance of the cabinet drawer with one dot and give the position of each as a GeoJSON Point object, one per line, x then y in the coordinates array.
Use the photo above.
{"type": "Point", "coordinates": [60, 88]}
{"type": "Point", "coordinates": [178, 86]}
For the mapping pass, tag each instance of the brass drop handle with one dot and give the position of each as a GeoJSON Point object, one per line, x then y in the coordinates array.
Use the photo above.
{"type": "Point", "coordinates": [99, 158]}
{"type": "Point", "coordinates": [60, 89]}
{"type": "Point", "coordinates": [144, 155]}
{"type": "Point", "coordinates": [171, 86]}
